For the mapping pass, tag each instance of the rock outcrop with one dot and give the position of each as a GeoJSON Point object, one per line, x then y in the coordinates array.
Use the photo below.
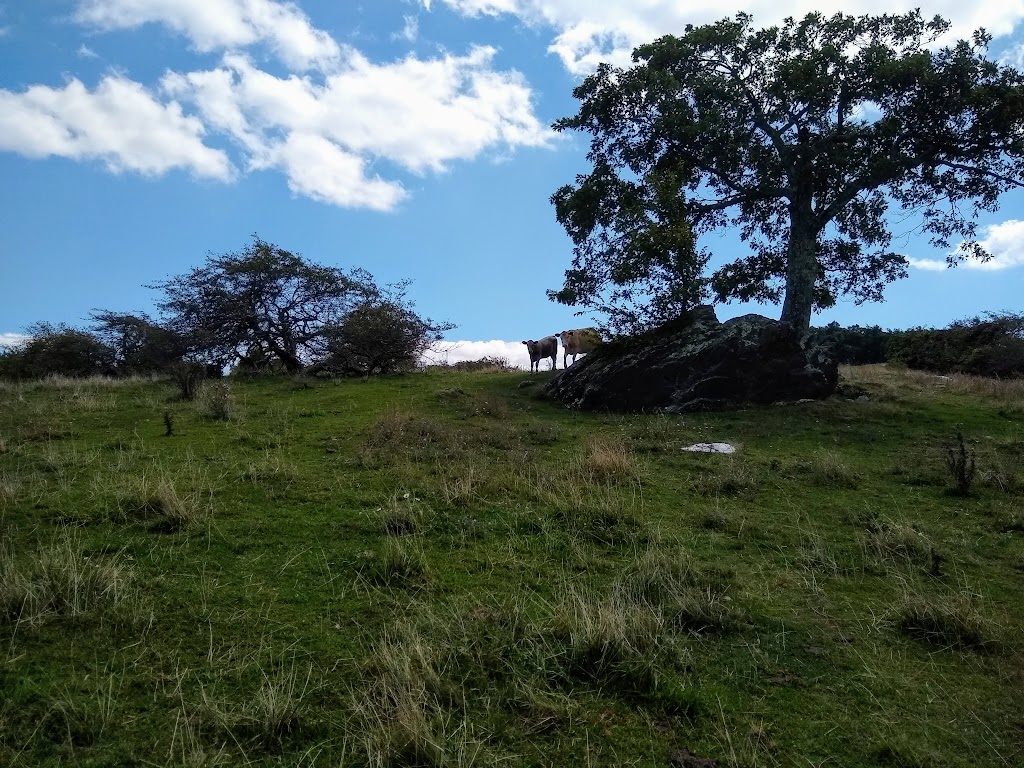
{"type": "Point", "coordinates": [698, 363]}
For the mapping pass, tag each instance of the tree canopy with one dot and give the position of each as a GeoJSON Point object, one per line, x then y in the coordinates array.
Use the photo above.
{"type": "Point", "coordinates": [803, 138]}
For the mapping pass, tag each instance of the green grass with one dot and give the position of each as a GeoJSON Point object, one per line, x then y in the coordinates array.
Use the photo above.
{"type": "Point", "coordinates": [441, 569]}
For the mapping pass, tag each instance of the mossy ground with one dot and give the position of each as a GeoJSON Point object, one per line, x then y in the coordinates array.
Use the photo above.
{"type": "Point", "coordinates": [441, 569]}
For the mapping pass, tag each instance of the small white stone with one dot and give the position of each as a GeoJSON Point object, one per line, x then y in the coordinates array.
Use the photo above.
{"type": "Point", "coordinates": [711, 448]}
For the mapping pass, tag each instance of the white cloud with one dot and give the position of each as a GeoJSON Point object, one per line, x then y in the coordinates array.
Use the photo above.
{"type": "Point", "coordinates": [336, 133]}
{"type": "Point", "coordinates": [929, 265]}
{"type": "Point", "coordinates": [12, 339]}
{"type": "Point", "coordinates": [214, 25]}
{"type": "Point", "coordinates": [459, 351]}
{"type": "Point", "coordinates": [1004, 242]}
{"type": "Point", "coordinates": [420, 114]}
{"type": "Point", "coordinates": [86, 52]}
{"type": "Point", "coordinates": [590, 31]}
{"type": "Point", "coordinates": [119, 123]}
{"type": "Point", "coordinates": [410, 30]}
{"type": "Point", "coordinates": [319, 169]}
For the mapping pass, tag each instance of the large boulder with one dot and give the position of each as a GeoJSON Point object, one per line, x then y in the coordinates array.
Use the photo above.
{"type": "Point", "coordinates": [698, 363]}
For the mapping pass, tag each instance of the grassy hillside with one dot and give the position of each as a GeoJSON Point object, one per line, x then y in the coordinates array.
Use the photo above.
{"type": "Point", "coordinates": [442, 569]}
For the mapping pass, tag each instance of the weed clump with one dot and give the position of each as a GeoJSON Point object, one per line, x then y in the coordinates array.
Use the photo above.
{"type": "Point", "coordinates": [218, 403]}
{"type": "Point", "coordinates": [961, 466]}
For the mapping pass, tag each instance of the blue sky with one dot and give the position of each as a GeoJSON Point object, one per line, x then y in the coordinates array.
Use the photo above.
{"type": "Point", "coordinates": [408, 137]}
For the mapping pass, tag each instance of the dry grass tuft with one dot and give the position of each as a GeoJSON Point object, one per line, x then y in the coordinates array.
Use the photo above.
{"type": "Point", "coordinates": [401, 565]}
{"type": "Point", "coordinates": [1009, 393]}
{"type": "Point", "coordinates": [403, 514]}
{"type": "Point", "coordinates": [829, 471]}
{"type": "Point", "coordinates": [60, 579]}
{"type": "Point", "coordinates": [896, 542]}
{"type": "Point", "coordinates": [950, 621]}
{"type": "Point", "coordinates": [610, 641]}
{"type": "Point", "coordinates": [688, 598]}
{"type": "Point", "coordinates": [169, 502]}
{"type": "Point", "coordinates": [733, 476]}
{"type": "Point", "coordinates": [608, 458]}
{"type": "Point", "coordinates": [400, 717]}
{"type": "Point", "coordinates": [816, 555]}
{"type": "Point", "coordinates": [216, 401]}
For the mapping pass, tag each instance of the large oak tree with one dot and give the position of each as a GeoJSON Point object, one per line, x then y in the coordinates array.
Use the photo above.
{"type": "Point", "coordinates": [803, 138]}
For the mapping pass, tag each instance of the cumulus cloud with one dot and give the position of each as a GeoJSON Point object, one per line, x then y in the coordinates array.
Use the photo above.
{"type": "Point", "coordinates": [338, 127]}
{"type": "Point", "coordinates": [590, 31]}
{"type": "Point", "coordinates": [119, 123]}
{"type": "Point", "coordinates": [419, 114]}
{"type": "Point", "coordinates": [459, 351]}
{"type": "Point", "coordinates": [214, 25]}
{"type": "Point", "coordinates": [1004, 242]}
{"type": "Point", "coordinates": [320, 169]}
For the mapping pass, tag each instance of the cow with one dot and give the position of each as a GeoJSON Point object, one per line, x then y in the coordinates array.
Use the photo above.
{"type": "Point", "coordinates": [578, 342]}
{"type": "Point", "coordinates": [546, 347]}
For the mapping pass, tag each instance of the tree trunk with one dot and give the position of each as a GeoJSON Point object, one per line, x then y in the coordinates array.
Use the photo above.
{"type": "Point", "coordinates": [801, 268]}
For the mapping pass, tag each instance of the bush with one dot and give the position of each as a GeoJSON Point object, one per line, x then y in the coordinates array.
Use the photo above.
{"type": "Point", "coordinates": [855, 345]}
{"type": "Point", "coordinates": [378, 336]}
{"type": "Point", "coordinates": [992, 347]}
{"type": "Point", "coordinates": [58, 350]}
{"type": "Point", "coordinates": [189, 378]}
{"type": "Point", "coordinates": [488, 364]}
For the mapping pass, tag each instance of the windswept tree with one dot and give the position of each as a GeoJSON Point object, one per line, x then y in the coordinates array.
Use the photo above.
{"type": "Point", "coordinates": [803, 138]}
{"type": "Point", "coordinates": [261, 303]}
{"type": "Point", "coordinates": [139, 343]}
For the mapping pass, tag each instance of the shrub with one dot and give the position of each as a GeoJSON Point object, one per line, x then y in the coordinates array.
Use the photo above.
{"type": "Point", "coordinates": [381, 335]}
{"type": "Point", "coordinates": [854, 345]}
{"type": "Point", "coordinates": [58, 350]}
{"type": "Point", "coordinates": [188, 377]}
{"type": "Point", "coordinates": [993, 347]}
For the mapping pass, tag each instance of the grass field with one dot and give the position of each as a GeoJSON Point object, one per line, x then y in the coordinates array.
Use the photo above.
{"type": "Point", "coordinates": [441, 569]}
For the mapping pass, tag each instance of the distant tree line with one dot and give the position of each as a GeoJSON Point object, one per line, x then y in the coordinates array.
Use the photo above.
{"type": "Point", "coordinates": [259, 310]}
{"type": "Point", "coordinates": [992, 345]}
